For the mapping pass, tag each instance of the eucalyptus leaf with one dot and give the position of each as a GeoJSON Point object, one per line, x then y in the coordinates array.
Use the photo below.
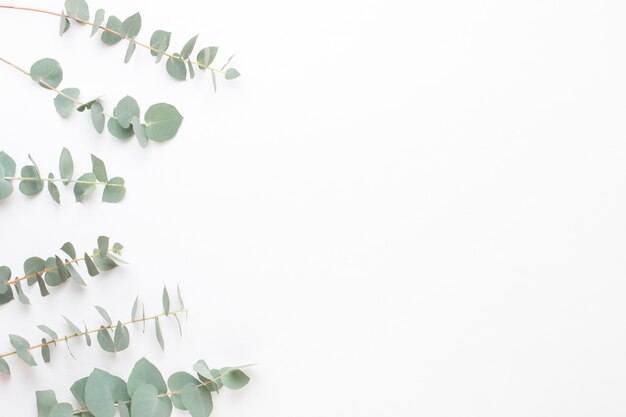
{"type": "Point", "coordinates": [145, 372]}
{"type": "Point", "coordinates": [33, 185]}
{"type": "Point", "coordinates": [140, 132]}
{"type": "Point", "coordinates": [66, 166]}
{"type": "Point", "coordinates": [103, 391]}
{"type": "Point", "coordinates": [126, 109]}
{"type": "Point", "coordinates": [5, 277]}
{"type": "Point", "coordinates": [118, 131]}
{"type": "Point", "coordinates": [206, 56]}
{"type": "Point", "coordinates": [188, 48]}
{"type": "Point", "coordinates": [99, 169]}
{"type": "Point", "coordinates": [234, 378]}
{"type": "Point", "coordinates": [47, 71]}
{"type": "Point", "coordinates": [131, 26]}
{"type": "Point", "coordinates": [97, 21]}
{"type": "Point", "coordinates": [42, 286]}
{"type": "Point", "coordinates": [166, 301]}
{"type": "Point", "coordinates": [75, 275]}
{"type": "Point", "coordinates": [48, 331]}
{"type": "Point", "coordinates": [87, 337]}
{"type": "Point", "coordinates": [78, 390]}
{"type": "Point", "coordinates": [147, 403]}
{"type": "Point", "coordinates": [74, 328]}
{"type": "Point", "coordinates": [176, 67]}
{"type": "Point", "coordinates": [4, 367]}
{"type": "Point", "coordinates": [64, 24]}
{"type": "Point", "coordinates": [61, 410]}
{"type": "Point", "coordinates": [45, 351]}
{"type": "Point", "coordinates": [114, 191]}
{"type": "Point", "coordinates": [197, 400]}
{"type": "Point", "coordinates": [69, 249]}
{"type": "Point", "coordinates": [7, 296]}
{"type": "Point", "coordinates": [105, 340]}
{"type": "Point", "coordinates": [103, 246]}
{"type": "Point", "coordinates": [129, 52]}
{"type": "Point", "coordinates": [162, 122]}
{"type": "Point", "coordinates": [53, 189]}
{"type": "Point", "coordinates": [176, 382]}
{"type": "Point", "coordinates": [105, 315]}
{"type": "Point", "coordinates": [92, 269]}
{"type": "Point", "coordinates": [121, 338]}
{"type": "Point", "coordinates": [115, 25]}
{"type": "Point", "coordinates": [77, 9]}
{"type": "Point", "coordinates": [159, 334]}
{"type": "Point", "coordinates": [133, 314]}
{"type": "Point", "coordinates": [97, 116]}
{"type": "Point", "coordinates": [85, 185]}
{"type": "Point", "coordinates": [231, 74]}
{"type": "Point", "coordinates": [45, 401]}
{"type": "Point", "coordinates": [63, 101]}
{"type": "Point", "coordinates": [159, 42]}
{"type": "Point", "coordinates": [32, 266]}
{"type": "Point", "coordinates": [20, 293]}
{"type": "Point", "coordinates": [8, 164]}
{"type": "Point", "coordinates": [22, 346]}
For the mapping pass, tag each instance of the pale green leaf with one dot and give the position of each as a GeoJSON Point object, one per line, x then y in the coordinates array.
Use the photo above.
{"type": "Point", "coordinates": [99, 169]}
{"type": "Point", "coordinates": [97, 116]}
{"type": "Point", "coordinates": [74, 328]}
{"type": "Point", "coordinates": [121, 339]}
{"type": "Point", "coordinates": [118, 131]}
{"type": "Point", "coordinates": [197, 400]}
{"type": "Point", "coordinates": [162, 122]}
{"type": "Point", "coordinates": [206, 56]}
{"type": "Point", "coordinates": [77, 9]}
{"type": "Point", "coordinates": [188, 48]}
{"type": "Point", "coordinates": [47, 71]}
{"type": "Point", "coordinates": [159, 42]}
{"type": "Point", "coordinates": [104, 315]}
{"type": "Point", "coordinates": [103, 391]}
{"type": "Point", "coordinates": [97, 21]}
{"type": "Point", "coordinates": [114, 191]}
{"type": "Point", "coordinates": [234, 378]}
{"type": "Point", "coordinates": [115, 25]}
{"type": "Point", "coordinates": [105, 340]}
{"type": "Point", "coordinates": [166, 301]}
{"type": "Point", "coordinates": [45, 401]}
{"type": "Point", "coordinates": [21, 347]}
{"type": "Point", "coordinates": [61, 410]}
{"type": "Point", "coordinates": [146, 402]}
{"type": "Point", "coordinates": [176, 68]}
{"type": "Point", "coordinates": [66, 166]}
{"type": "Point", "coordinates": [69, 249]}
{"type": "Point", "coordinates": [4, 367]}
{"type": "Point", "coordinates": [48, 331]}
{"type": "Point", "coordinates": [159, 334]}
{"type": "Point", "coordinates": [145, 372]}
{"type": "Point", "coordinates": [131, 26]}
{"type": "Point", "coordinates": [176, 383]}
{"type": "Point", "coordinates": [53, 189]}
{"type": "Point", "coordinates": [231, 74]}
{"type": "Point", "coordinates": [85, 185]}
{"type": "Point", "coordinates": [126, 109]}
{"type": "Point", "coordinates": [63, 101]}
{"type": "Point", "coordinates": [8, 164]}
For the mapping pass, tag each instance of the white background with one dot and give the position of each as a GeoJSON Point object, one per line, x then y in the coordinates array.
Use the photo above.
{"type": "Point", "coordinates": [401, 209]}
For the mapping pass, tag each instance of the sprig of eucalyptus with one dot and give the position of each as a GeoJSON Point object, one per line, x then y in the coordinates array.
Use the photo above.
{"type": "Point", "coordinates": [32, 183]}
{"type": "Point", "coordinates": [112, 338]}
{"type": "Point", "coordinates": [161, 120]}
{"type": "Point", "coordinates": [178, 64]}
{"type": "Point", "coordinates": [145, 394]}
{"type": "Point", "coordinates": [54, 271]}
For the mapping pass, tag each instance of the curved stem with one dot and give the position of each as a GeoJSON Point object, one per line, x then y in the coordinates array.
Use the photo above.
{"type": "Point", "coordinates": [52, 268]}
{"type": "Point", "coordinates": [106, 29]}
{"type": "Point", "coordinates": [63, 179]}
{"type": "Point", "coordinates": [65, 338]}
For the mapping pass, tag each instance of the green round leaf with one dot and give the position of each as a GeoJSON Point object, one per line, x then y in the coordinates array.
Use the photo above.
{"type": "Point", "coordinates": [197, 400]}
{"type": "Point", "coordinates": [234, 378]}
{"type": "Point", "coordinates": [97, 116]}
{"type": "Point", "coordinates": [78, 9]}
{"type": "Point", "coordinates": [114, 191]}
{"type": "Point", "coordinates": [231, 74]}
{"type": "Point", "coordinates": [114, 24]}
{"type": "Point", "coordinates": [147, 403]}
{"type": "Point", "coordinates": [176, 68]}
{"type": "Point", "coordinates": [162, 122]}
{"type": "Point", "coordinates": [206, 56]}
{"type": "Point", "coordinates": [145, 372]}
{"type": "Point", "coordinates": [48, 71]}
{"type": "Point", "coordinates": [84, 186]}
{"type": "Point", "coordinates": [33, 185]}
{"type": "Point", "coordinates": [6, 189]}
{"type": "Point", "coordinates": [8, 164]}
{"type": "Point", "coordinates": [118, 131]}
{"type": "Point", "coordinates": [160, 41]}
{"type": "Point", "coordinates": [126, 109]}
{"type": "Point", "coordinates": [63, 104]}
{"type": "Point", "coordinates": [103, 391]}
{"type": "Point", "coordinates": [177, 382]}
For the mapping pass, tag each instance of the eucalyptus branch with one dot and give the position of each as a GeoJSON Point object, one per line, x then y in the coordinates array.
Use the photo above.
{"type": "Point", "coordinates": [54, 271]}
{"type": "Point", "coordinates": [145, 394]}
{"type": "Point", "coordinates": [118, 342]}
{"type": "Point", "coordinates": [116, 30]}
{"type": "Point", "coordinates": [161, 120]}
{"type": "Point", "coordinates": [32, 183]}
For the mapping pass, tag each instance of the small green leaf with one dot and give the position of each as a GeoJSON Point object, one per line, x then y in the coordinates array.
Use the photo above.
{"type": "Point", "coordinates": [45, 351]}
{"type": "Point", "coordinates": [8, 164]}
{"type": "Point", "coordinates": [231, 74]}
{"type": "Point", "coordinates": [166, 301]}
{"type": "Point", "coordinates": [67, 345]}
{"type": "Point", "coordinates": [146, 402]}
{"type": "Point", "coordinates": [78, 390]}
{"type": "Point", "coordinates": [140, 132]}
{"type": "Point", "coordinates": [102, 391]}
{"type": "Point", "coordinates": [159, 42]}
{"type": "Point", "coordinates": [45, 401]}
{"type": "Point", "coordinates": [192, 73]}
{"type": "Point", "coordinates": [84, 186]}
{"type": "Point", "coordinates": [74, 328]}
{"type": "Point", "coordinates": [129, 52]}
{"type": "Point", "coordinates": [87, 337]}
{"type": "Point", "coordinates": [234, 378]}
{"type": "Point", "coordinates": [197, 400]}
{"type": "Point", "coordinates": [115, 25]}
{"type": "Point", "coordinates": [203, 369]}
{"type": "Point", "coordinates": [131, 26]}
{"type": "Point", "coordinates": [126, 109]}
{"type": "Point", "coordinates": [133, 314]}
{"type": "Point", "coordinates": [104, 264]}
{"type": "Point", "coordinates": [159, 334]}
{"type": "Point", "coordinates": [69, 249]}
{"type": "Point", "coordinates": [97, 116]}
{"type": "Point", "coordinates": [47, 71]}
{"type": "Point", "coordinates": [105, 340]}
{"type": "Point", "coordinates": [104, 315]}
{"type": "Point", "coordinates": [22, 346]}
{"type": "Point", "coordinates": [6, 188]}
{"type": "Point", "coordinates": [32, 266]}
{"type": "Point", "coordinates": [144, 372]}
{"type": "Point", "coordinates": [61, 268]}
{"type": "Point", "coordinates": [52, 277]}
{"type": "Point", "coordinates": [48, 331]}
{"type": "Point", "coordinates": [180, 297]}
{"type": "Point", "coordinates": [4, 367]}
{"type": "Point", "coordinates": [33, 185]}
{"type": "Point", "coordinates": [206, 56]}
{"type": "Point", "coordinates": [114, 191]}
{"type": "Point", "coordinates": [117, 130]}
{"type": "Point", "coordinates": [91, 266]}
{"type": "Point", "coordinates": [42, 286]}
{"type": "Point", "coordinates": [97, 21]}
{"type": "Point", "coordinates": [99, 169]}
{"type": "Point", "coordinates": [20, 293]}
{"type": "Point", "coordinates": [61, 410]}
{"type": "Point", "coordinates": [7, 296]}
{"type": "Point", "coordinates": [53, 189]}
{"type": "Point", "coordinates": [66, 166]}
{"type": "Point", "coordinates": [75, 275]}
{"type": "Point", "coordinates": [103, 246]}
{"type": "Point", "coordinates": [188, 48]}
{"type": "Point", "coordinates": [5, 277]}
{"type": "Point", "coordinates": [65, 105]}
{"type": "Point", "coordinates": [176, 68]}
{"type": "Point", "coordinates": [64, 24]}
{"type": "Point", "coordinates": [121, 339]}
{"type": "Point", "coordinates": [176, 383]}
{"type": "Point", "coordinates": [77, 9]}
{"type": "Point", "coordinates": [162, 122]}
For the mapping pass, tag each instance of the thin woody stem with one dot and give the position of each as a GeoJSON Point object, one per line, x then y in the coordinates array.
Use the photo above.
{"type": "Point", "coordinates": [65, 338]}
{"type": "Point", "coordinates": [106, 29]}
{"type": "Point", "coordinates": [64, 180]}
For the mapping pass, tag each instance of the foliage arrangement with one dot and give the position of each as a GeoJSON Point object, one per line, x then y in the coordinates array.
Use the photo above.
{"type": "Point", "coordinates": [111, 337]}
{"type": "Point", "coordinates": [115, 30]}
{"type": "Point", "coordinates": [145, 393]}
{"type": "Point", "coordinates": [32, 183]}
{"type": "Point", "coordinates": [161, 120]}
{"type": "Point", "coordinates": [54, 271]}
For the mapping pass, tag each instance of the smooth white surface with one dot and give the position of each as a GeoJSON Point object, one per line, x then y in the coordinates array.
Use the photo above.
{"type": "Point", "coordinates": [402, 208]}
